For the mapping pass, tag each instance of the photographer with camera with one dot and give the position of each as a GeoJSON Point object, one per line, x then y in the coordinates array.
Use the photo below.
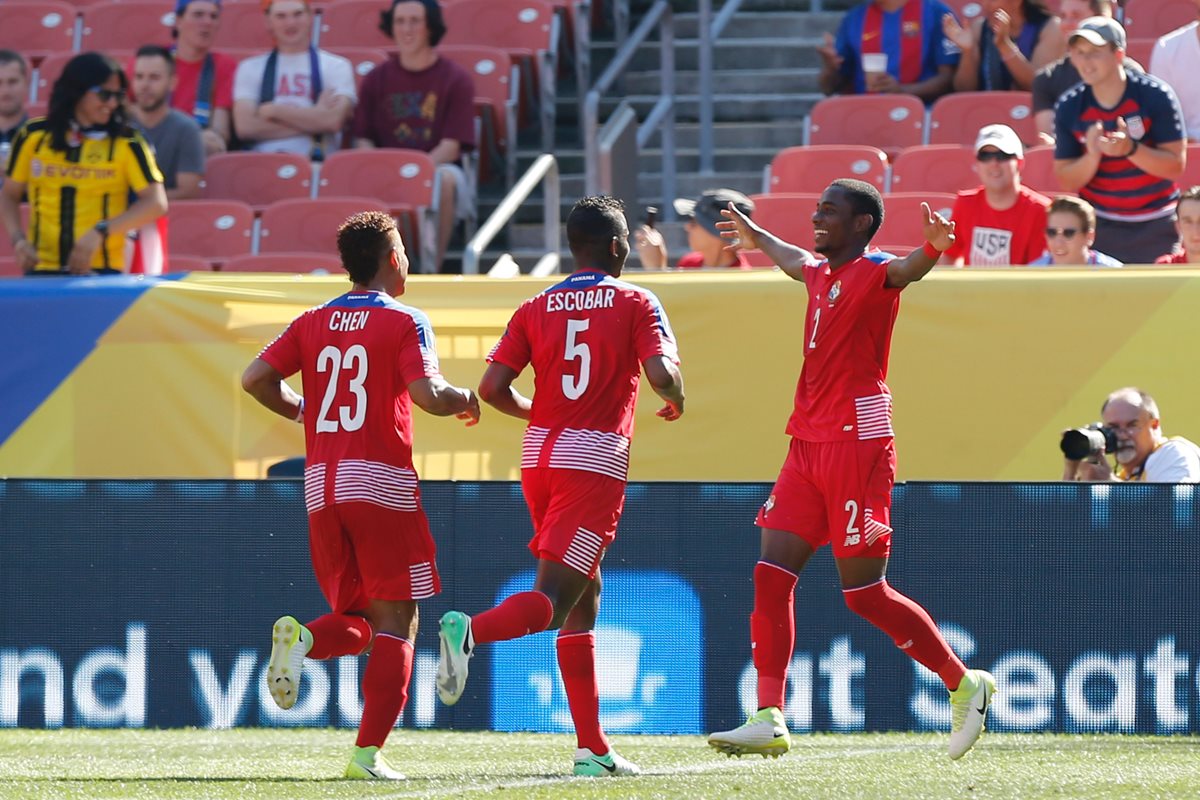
{"type": "Point", "coordinates": [1131, 432]}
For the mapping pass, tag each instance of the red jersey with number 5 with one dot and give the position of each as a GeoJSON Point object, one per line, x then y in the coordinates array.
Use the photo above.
{"type": "Point", "coordinates": [842, 394]}
{"type": "Point", "coordinates": [586, 339]}
{"type": "Point", "coordinates": [356, 355]}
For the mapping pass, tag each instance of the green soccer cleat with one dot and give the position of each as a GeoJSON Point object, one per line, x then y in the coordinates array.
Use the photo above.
{"type": "Point", "coordinates": [368, 764]}
{"type": "Point", "coordinates": [969, 703]}
{"type": "Point", "coordinates": [611, 764]}
{"type": "Point", "coordinates": [765, 733]}
{"type": "Point", "coordinates": [456, 645]}
{"type": "Point", "coordinates": [290, 642]}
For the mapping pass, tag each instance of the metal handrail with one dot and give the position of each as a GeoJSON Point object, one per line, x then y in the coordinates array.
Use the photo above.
{"type": "Point", "coordinates": [545, 167]}
{"type": "Point", "coordinates": [662, 114]}
{"type": "Point", "coordinates": [710, 31]}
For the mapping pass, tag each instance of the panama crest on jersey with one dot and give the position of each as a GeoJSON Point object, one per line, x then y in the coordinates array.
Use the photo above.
{"type": "Point", "coordinates": [835, 291]}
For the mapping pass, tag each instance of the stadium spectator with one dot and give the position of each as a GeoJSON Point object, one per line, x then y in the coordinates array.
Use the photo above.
{"type": "Point", "coordinates": [1176, 60]}
{"type": "Point", "coordinates": [1120, 145]}
{"type": "Point", "coordinates": [1053, 80]}
{"type": "Point", "coordinates": [295, 99]}
{"type": "Point", "coordinates": [1070, 233]}
{"type": "Point", "coordinates": [421, 101]}
{"type": "Point", "coordinates": [1021, 37]}
{"type": "Point", "coordinates": [14, 90]}
{"type": "Point", "coordinates": [372, 552]}
{"type": "Point", "coordinates": [904, 37]}
{"type": "Point", "coordinates": [81, 164]}
{"type": "Point", "coordinates": [174, 136]}
{"type": "Point", "coordinates": [1144, 452]}
{"type": "Point", "coordinates": [708, 249]}
{"type": "Point", "coordinates": [575, 457]}
{"type": "Point", "coordinates": [835, 486]}
{"type": "Point", "coordinates": [205, 79]}
{"type": "Point", "coordinates": [1187, 223]}
{"type": "Point", "coordinates": [1000, 222]}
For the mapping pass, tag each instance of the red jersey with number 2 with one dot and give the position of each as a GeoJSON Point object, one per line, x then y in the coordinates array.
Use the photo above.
{"type": "Point", "coordinates": [842, 394]}
{"type": "Point", "coordinates": [586, 338]}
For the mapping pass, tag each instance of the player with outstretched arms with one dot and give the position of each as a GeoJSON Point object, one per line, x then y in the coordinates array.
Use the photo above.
{"type": "Point", "coordinates": [364, 359]}
{"type": "Point", "coordinates": [835, 485]}
{"type": "Point", "coordinates": [587, 338]}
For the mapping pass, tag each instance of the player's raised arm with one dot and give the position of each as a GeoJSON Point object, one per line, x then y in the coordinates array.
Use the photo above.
{"type": "Point", "coordinates": [265, 384]}
{"type": "Point", "coordinates": [939, 235]}
{"type": "Point", "coordinates": [436, 396]}
{"type": "Point", "coordinates": [667, 381]}
{"type": "Point", "coordinates": [744, 234]}
{"type": "Point", "coordinates": [496, 389]}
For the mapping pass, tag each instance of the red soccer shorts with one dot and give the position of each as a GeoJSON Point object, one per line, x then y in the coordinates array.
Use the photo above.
{"type": "Point", "coordinates": [362, 552]}
{"type": "Point", "coordinates": [837, 493]}
{"type": "Point", "coordinates": [575, 515]}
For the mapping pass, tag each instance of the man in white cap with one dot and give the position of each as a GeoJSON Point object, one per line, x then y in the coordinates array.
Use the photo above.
{"type": "Point", "coordinates": [708, 249]}
{"type": "Point", "coordinates": [1000, 222]}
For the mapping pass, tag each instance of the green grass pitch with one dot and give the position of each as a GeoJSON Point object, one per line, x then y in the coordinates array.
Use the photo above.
{"type": "Point", "coordinates": [248, 764]}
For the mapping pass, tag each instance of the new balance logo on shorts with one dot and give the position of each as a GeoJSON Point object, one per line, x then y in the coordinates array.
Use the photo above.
{"type": "Point", "coordinates": [853, 539]}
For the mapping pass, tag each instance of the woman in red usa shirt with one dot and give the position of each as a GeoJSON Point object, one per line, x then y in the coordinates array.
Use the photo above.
{"type": "Point", "coordinates": [835, 485]}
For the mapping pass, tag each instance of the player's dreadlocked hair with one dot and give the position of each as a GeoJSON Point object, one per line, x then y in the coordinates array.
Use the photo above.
{"type": "Point", "coordinates": [362, 240]}
{"type": "Point", "coordinates": [864, 199]}
{"type": "Point", "coordinates": [591, 226]}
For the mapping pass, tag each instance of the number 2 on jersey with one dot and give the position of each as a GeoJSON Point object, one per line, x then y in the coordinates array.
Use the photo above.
{"type": "Point", "coordinates": [333, 361]}
{"type": "Point", "coordinates": [574, 387]}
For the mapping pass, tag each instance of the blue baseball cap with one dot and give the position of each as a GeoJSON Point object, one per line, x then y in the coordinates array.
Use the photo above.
{"type": "Point", "coordinates": [181, 5]}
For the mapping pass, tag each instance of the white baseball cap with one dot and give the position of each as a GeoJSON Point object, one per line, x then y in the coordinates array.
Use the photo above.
{"type": "Point", "coordinates": [1001, 137]}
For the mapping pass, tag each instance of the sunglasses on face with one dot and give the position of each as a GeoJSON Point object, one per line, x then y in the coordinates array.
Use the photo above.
{"type": "Point", "coordinates": [108, 94]}
{"type": "Point", "coordinates": [996, 156]}
{"type": "Point", "coordinates": [1068, 233]}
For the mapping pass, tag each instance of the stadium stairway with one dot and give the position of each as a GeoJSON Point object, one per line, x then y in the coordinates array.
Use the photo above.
{"type": "Point", "coordinates": [765, 77]}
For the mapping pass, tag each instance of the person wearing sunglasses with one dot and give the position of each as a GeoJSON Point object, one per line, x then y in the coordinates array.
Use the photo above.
{"type": "Point", "coordinates": [1000, 222]}
{"type": "Point", "coordinates": [1070, 233]}
{"type": "Point", "coordinates": [90, 177]}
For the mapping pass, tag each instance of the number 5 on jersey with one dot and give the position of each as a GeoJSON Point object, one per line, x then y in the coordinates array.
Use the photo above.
{"type": "Point", "coordinates": [574, 387]}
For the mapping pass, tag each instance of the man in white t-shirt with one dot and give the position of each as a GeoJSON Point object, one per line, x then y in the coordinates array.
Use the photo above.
{"type": "Point", "coordinates": [1176, 60]}
{"type": "Point", "coordinates": [1144, 453]}
{"type": "Point", "coordinates": [295, 99]}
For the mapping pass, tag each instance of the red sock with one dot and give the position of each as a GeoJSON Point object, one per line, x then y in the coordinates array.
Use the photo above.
{"type": "Point", "coordinates": [577, 663]}
{"type": "Point", "coordinates": [384, 688]}
{"type": "Point", "coordinates": [772, 631]}
{"type": "Point", "coordinates": [338, 635]}
{"type": "Point", "coordinates": [519, 615]}
{"type": "Point", "coordinates": [910, 627]}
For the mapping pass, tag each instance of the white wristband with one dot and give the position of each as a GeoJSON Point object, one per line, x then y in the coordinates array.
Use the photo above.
{"type": "Point", "coordinates": [300, 414]}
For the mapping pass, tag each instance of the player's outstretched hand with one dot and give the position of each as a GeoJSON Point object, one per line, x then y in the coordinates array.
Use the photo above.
{"type": "Point", "coordinates": [737, 230]}
{"type": "Point", "coordinates": [471, 412]}
{"type": "Point", "coordinates": [671, 411]}
{"type": "Point", "coordinates": [939, 231]}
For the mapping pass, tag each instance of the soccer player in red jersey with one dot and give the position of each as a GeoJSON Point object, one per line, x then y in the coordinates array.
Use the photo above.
{"type": "Point", "coordinates": [587, 338]}
{"type": "Point", "coordinates": [835, 486]}
{"type": "Point", "coordinates": [364, 359]}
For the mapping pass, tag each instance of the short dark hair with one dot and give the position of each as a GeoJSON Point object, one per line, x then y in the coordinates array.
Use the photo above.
{"type": "Point", "coordinates": [157, 51]}
{"type": "Point", "coordinates": [1101, 8]}
{"type": "Point", "coordinates": [591, 226]}
{"type": "Point", "coordinates": [1077, 206]}
{"type": "Point", "coordinates": [79, 76]}
{"type": "Point", "coordinates": [362, 240]}
{"type": "Point", "coordinates": [13, 57]}
{"type": "Point", "coordinates": [434, 20]}
{"type": "Point", "coordinates": [864, 199]}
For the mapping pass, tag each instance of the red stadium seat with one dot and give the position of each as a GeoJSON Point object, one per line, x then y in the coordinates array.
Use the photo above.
{"type": "Point", "coordinates": [1140, 50]}
{"type": "Point", "coordinates": [788, 216]}
{"type": "Point", "coordinates": [299, 263]}
{"type": "Point", "coordinates": [6, 248]}
{"type": "Point", "coordinates": [51, 68]}
{"type": "Point", "coordinates": [810, 169]}
{"type": "Point", "coordinates": [243, 26]}
{"type": "Point", "coordinates": [957, 118]}
{"type": "Point", "coordinates": [935, 168]}
{"type": "Point", "coordinates": [188, 264]}
{"type": "Point", "coordinates": [902, 220]}
{"type": "Point", "coordinates": [126, 25]}
{"type": "Point", "coordinates": [1153, 18]}
{"type": "Point", "coordinates": [1038, 171]}
{"type": "Point", "coordinates": [214, 230]}
{"type": "Point", "coordinates": [8, 268]}
{"type": "Point", "coordinates": [889, 122]}
{"type": "Point", "coordinates": [496, 101]}
{"type": "Point", "coordinates": [352, 23]}
{"type": "Point", "coordinates": [37, 28]}
{"type": "Point", "coordinates": [362, 59]}
{"type": "Point", "coordinates": [308, 225]}
{"type": "Point", "coordinates": [257, 178]}
{"type": "Point", "coordinates": [1191, 173]}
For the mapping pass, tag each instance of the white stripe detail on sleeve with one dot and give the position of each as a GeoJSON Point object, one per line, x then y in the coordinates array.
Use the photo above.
{"type": "Point", "coordinates": [421, 578]}
{"type": "Point", "coordinates": [873, 528]}
{"type": "Point", "coordinates": [583, 551]}
{"type": "Point", "coordinates": [373, 482]}
{"type": "Point", "coordinates": [602, 452]}
{"type": "Point", "coordinates": [314, 487]}
{"type": "Point", "coordinates": [873, 416]}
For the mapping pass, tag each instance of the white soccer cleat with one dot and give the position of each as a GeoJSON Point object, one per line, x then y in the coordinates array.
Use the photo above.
{"type": "Point", "coordinates": [456, 644]}
{"type": "Point", "coordinates": [969, 703]}
{"type": "Point", "coordinates": [368, 764]}
{"type": "Point", "coordinates": [290, 642]}
{"type": "Point", "coordinates": [612, 763]}
{"type": "Point", "coordinates": [764, 734]}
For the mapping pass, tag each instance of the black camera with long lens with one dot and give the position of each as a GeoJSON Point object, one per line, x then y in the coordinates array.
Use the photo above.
{"type": "Point", "coordinates": [1090, 440]}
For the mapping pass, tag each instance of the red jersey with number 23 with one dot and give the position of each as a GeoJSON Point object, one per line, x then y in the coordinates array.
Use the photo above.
{"type": "Point", "coordinates": [357, 354]}
{"type": "Point", "coordinates": [842, 394]}
{"type": "Point", "coordinates": [586, 338]}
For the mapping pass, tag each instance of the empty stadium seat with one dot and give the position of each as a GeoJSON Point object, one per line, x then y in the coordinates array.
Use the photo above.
{"type": "Point", "coordinates": [1140, 50]}
{"type": "Point", "coordinates": [214, 230]}
{"type": "Point", "coordinates": [257, 178]}
{"type": "Point", "coordinates": [811, 169]}
{"type": "Point", "coordinates": [362, 59]}
{"type": "Point", "coordinates": [177, 263]}
{"type": "Point", "coordinates": [37, 28]}
{"type": "Point", "coordinates": [1153, 18]}
{"type": "Point", "coordinates": [496, 100]}
{"type": "Point", "coordinates": [352, 23]}
{"type": "Point", "coordinates": [308, 225]}
{"type": "Point", "coordinates": [902, 221]}
{"type": "Point", "coordinates": [242, 27]}
{"type": "Point", "coordinates": [1038, 171]}
{"type": "Point", "coordinates": [935, 168]}
{"type": "Point", "coordinates": [889, 122]}
{"type": "Point", "coordinates": [956, 118]}
{"type": "Point", "coordinates": [296, 262]}
{"type": "Point", "coordinates": [8, 268]}
{"type": "Point", "coordinates": [1191, 173]}
{"type": "Point", "coordinates": [788, 216]}
{"type": "Point", "coordinates": [6, 248]}
{"type": "Point", "coordinates": [126, 25]}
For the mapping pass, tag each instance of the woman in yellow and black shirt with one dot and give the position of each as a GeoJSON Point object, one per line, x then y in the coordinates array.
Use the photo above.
{"type": "Point", "coordinates": [81, 165]}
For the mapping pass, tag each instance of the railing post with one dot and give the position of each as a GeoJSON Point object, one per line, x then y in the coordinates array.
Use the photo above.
{"type": "Point", "coordinates": [706, 87]}
{"type": "Point", "coordinates": [667, 66]}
